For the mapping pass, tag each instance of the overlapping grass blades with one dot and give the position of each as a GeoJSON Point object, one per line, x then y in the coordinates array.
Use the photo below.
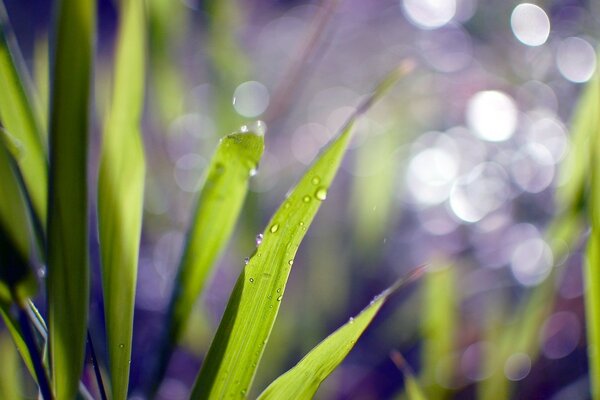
{"type": "Point", "coordinates": [303, 380]}
{"type": "Point", "coordinates": [592, 267]}
{"type": "Point", "coordinates": [21, 119]}
{"type": "Point", "coordinates": [237, 348]}
{"type": "Point", "coordinates": [217, 210]}
{"type": "Point", "coordinates": [121, 191]}
{"type": "Point", "coordinates": [67, 244]}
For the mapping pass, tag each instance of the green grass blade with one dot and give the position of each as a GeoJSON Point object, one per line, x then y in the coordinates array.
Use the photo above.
{"type": "Point", "coordinates": [303, 380]}
{"type": "Point", "coordinates": [15, 332]}
{"type": "Point", "coordinates": [20, 118]}
{"type": "Point", "coordinates": [412, 389]}
{"type": "Point", "coordinates": [592, 267]}
{"type": "Point", "coordinates": [68, 270]}
{"type": "Point", "coordinates": [121, 192]}
{"type": "Point", "coordinates": [11, 385]}
{"type": "Point", "coordinates": [16, 278]}
{"type": "Point", "coordinates": [217, 210]}
{"type": "Point", "coordinates": [237, 348]}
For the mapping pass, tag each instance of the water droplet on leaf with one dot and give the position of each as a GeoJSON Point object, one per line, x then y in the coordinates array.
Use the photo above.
{"type": "Point", "coordinates": [259, 238]}
{"type": "Point", "coordinates": [321, 193]}
{"type": "Point", "coordinates": [274, 228]}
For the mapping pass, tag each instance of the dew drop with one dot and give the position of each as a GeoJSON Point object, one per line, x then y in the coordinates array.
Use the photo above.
{"type": "Point", "coordinates": [252, 172]}
{"type": "Point", "coordinates": [274, 228]}
{"type": "Point", "coordinates": [243, 392]}
{"type": "Point", "coordinates": [121, 345]}
{"type": "Point", "coordinates": [279, 290]}
{"type": "Point", "coordinates": [291, 262]}
{"type": "Point", "coordinates": [251, 280]}
{"type": "Point", "coordinates": [351, 320]}
{"type": "Point", "coordinates": [321, 193]}
{"type": "Point", "coordinates": [259, 238]}
{"type": "Point", "coordinates": [306, 199]}
{"type": "Point", "coordinates": [316, 180]}
{"type": "Point", "coordinates": [246, 260]}
{"type": "Point", "coordinates": [279, 298]}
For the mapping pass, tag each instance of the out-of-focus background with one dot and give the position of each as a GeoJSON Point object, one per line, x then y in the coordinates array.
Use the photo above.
{"type": "Point", "coordinates": [456, 168]}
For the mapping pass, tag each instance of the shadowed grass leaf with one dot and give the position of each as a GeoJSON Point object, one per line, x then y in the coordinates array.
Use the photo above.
{"type": "Point", "coordinates": [237, 348]}
{"type": "Point", "coordinates": [217, 210]}
{"type": "Point", "coordinates": [303, 380]}
{"type": "Point", "coordinates": [412, 389]}
{"type": "Point", "coordinates": [68, 270]}
{"type": "Point", "coordinates": [11, 385]}
{"type": "Point", "coordinates": [121, 192]}
{"type": "Point", "coordinates": [20, 118]}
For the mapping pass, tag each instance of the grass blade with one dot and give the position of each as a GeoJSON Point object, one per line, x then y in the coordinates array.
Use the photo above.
{"type": "Point", "coordinates": [16, 278]}
{"type": "Point", "coordinates": [303, 380]}
{"type": "Point", "coordinates": [20, 118]}
{"type": "Point", "coordinates": [412, 388]}
{"type": "Point", "coordinates": [121, 192]}
{"type": "Point", "coordinates": [217, 211]}
{"type": "Point", "coordinates": [68, 270]}
{"type": "Point", "coordinates": [237, 348]}
{"type": "Point", "coordinates": [11, 384]}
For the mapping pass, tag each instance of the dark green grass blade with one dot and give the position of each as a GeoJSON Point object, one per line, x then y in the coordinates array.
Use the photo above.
{"type": "Point", "coordinates": [20, 118]}
{"type": "Point", "coordinates": [16, 277]}
{"type": "Point", "coordinates": [15, 332]}
{"type": "Point", "coordinates": [121, 192]}
{"type": "Point", "coordinates": [303, 380]}
{"type": "Point", "coordinates": [237, 348]}
{"type": "Point", "coordinates": [68, 271]}
{"type": "Point", "coordinates": [217, 211]}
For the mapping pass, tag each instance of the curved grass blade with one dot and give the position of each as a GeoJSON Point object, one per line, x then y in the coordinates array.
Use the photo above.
{"type": "Point", "coordinates": [16, 277]}
{"type": "Point", "coordinates": [237, 348]}
{"type": "Point", "coordinates": [15, 332]}
{"type": "Point", "coordinates": [412, 388]}
{"type": "Point", "coordinates": [217, 211]}
{"type": "Point", "coordinates": [20, 117]}
{"type": "Point", "coordinates": [68, 270]}
{"type": "Point", "coordinates": [121, 192]}
{"type": "Point", "coordinates": [303, 380]}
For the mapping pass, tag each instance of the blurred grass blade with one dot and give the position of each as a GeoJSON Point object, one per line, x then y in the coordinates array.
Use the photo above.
{"type": "Point", "coordinates": [121, 192]}
{"type": "Point", "coordinates": [217, 211]}
{"type": "Point", "coordinates": [592, 267]}
{"type": "Point", "coordinates": [412, 389]}
{"type": "Point", "coordinates": [237, 348]}
{"type": "Point", "coordinates": [438, 327]}
{"type": "Point", "coordinates": [20, 118]}
{"type": "Point", "coordinates": [15, 332]}
{"type": "Point", "coordinates": [303, 380]}
{"type": "Point", "coordinates": [11, 385]}
{"type": "Point", "coordinates": [16, 277]}
{"type": "Point", "coordinates": [68, 270]}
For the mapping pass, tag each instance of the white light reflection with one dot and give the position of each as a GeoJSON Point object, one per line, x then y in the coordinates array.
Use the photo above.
{"type": "Point", "coordinates": [560, 334]}
{"type": "Point", "coordinates": [492, 115]}
{"type": "Point", "coordinates": [480, 192]}
{"type": "Point", "coordinates": [517, 366]}
{"type": "Point", "coordinates": [188, 172]}
{"type": "Point", "coordinates": [576, 59]}
{"type": "Point", "coordinates": [429, 14]}
{"type": "Point", "coordinates": [431, 173]}
{"type": "Point", "coordinates": [530, 24]}
{"type": "Point", "coordinates": [251, 99]}
{"type": "Point", "coordinates": [532, 168]}
{"type": "Point", "coordinates": [447, 49]}
{"type": "Point", "coordinates": [549, 132]}
{"type": "Point", "coordinates": [531, 261]}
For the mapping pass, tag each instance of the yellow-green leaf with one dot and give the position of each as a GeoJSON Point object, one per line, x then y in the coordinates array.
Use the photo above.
{"type": "Point", "coordinates": [237, 348]}
{"type": "Point", "coordinates": [303, 380]}
{"type": "Point", "coordinates": [20, 118]}
{"type": "Point", "coordinates": [121, 192]}
{"type": "Point", "coordinates": [68, 270]}
{"type": "Point", "coordinates": [217, 210]}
